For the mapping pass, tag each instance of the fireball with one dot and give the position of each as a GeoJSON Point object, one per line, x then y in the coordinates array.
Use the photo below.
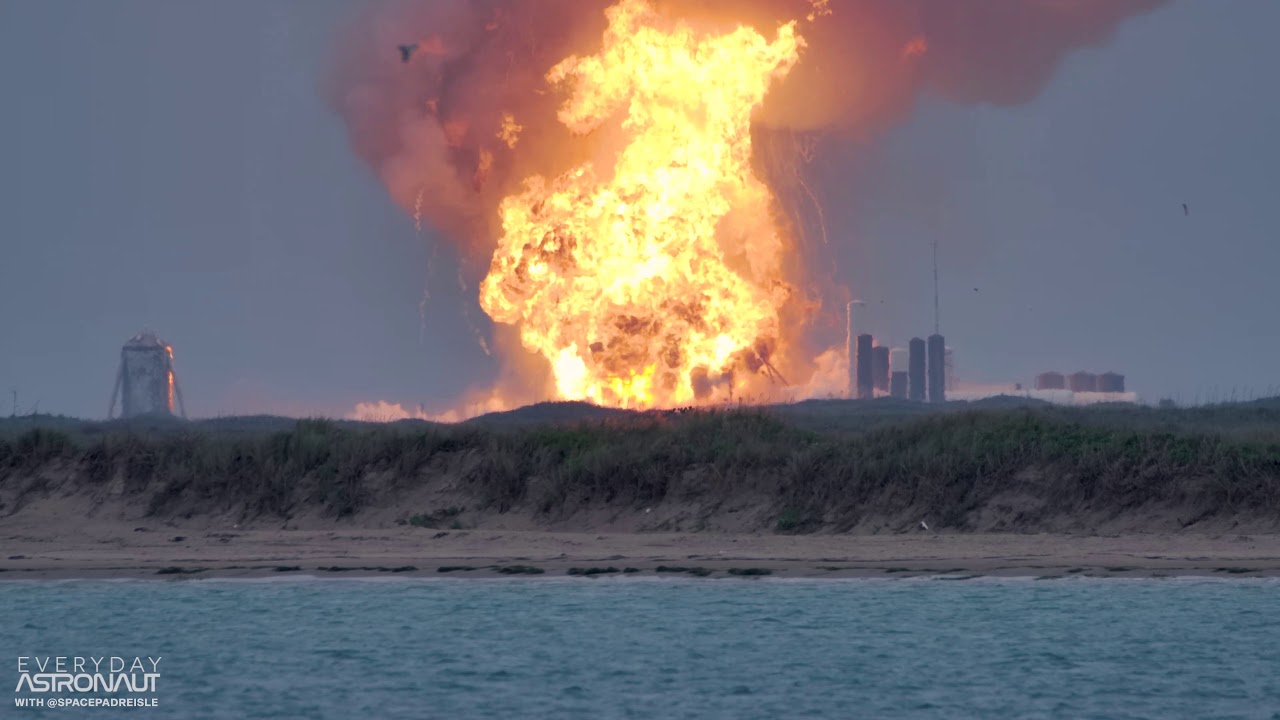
{"type": "Point", "coordinates": [651, 275]}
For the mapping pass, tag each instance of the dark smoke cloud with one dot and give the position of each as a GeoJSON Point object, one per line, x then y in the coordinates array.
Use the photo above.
{"type": "Point", "coordinates": [429, 127]}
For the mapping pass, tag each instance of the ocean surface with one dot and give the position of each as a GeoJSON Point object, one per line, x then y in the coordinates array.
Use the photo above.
{"type": "Point", "coordinates": [666, 648]}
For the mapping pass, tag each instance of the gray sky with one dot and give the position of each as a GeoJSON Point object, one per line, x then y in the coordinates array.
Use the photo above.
{"type": "Point", "coordinates": [175, 165]}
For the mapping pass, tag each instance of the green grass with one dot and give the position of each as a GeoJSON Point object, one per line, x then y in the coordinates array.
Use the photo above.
{"type": "Point", "coordinates": [828, 475]}
{"type": "Point", "coordinates": [433, 519]}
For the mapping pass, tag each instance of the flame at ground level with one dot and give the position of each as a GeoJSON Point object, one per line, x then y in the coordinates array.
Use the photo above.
{"type": "Point", "coordinates": [658, 280]}
{"type": "Point", "coordinates": [829, 380]}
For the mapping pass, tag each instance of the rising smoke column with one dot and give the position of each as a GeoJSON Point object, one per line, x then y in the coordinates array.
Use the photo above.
{"type": "Point", "coordinates": [461, 126]}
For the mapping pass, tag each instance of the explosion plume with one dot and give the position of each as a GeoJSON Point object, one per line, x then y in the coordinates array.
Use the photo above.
{"type": "Point", "coordinates": [621, 179]}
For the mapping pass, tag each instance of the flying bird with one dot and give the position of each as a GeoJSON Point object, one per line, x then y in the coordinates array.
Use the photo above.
{"type": "Point", "coordinates": [924, 525]}
{"type": "Point", "coordinates": [406, 52]}
{"type": "Point", "coordinates": [1185, 211]}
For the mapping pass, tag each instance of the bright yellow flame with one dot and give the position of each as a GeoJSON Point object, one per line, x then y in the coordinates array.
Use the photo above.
{"type": "Point", "coordinates": [651, 282]}
{"type": "Point", "coordinates": [510, 130]}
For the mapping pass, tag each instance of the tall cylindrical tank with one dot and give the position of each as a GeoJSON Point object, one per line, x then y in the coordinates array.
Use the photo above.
{"type": "Point", "coordinates": [898, 372]}
{"type": "Point", "coordinates": [1109, 382]}
{"type": "Point", "coordinates": [880, 368]}
{"type": "Point", "coordinates": [1082, 382]}
{"type": "Point", "coordinates": [1051, 381]}
{"type": "Point", "coordinates": [146, 377]}
{"type": "Point", "coordinates": [915, 369]}
{"type": "Point", "coordinates": [937, 369]}
{"type": "Point", "coordinates": [866, 376]}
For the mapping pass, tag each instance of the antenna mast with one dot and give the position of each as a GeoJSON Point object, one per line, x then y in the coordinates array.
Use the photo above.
{"type": "Point", "coordinates": [937, 323]}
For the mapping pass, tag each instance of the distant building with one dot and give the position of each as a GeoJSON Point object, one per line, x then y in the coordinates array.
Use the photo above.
{"type": "Point", "coordinates": [1051, 381]}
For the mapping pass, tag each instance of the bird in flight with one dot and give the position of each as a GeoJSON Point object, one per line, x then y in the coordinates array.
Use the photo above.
{"type": "Point", "coordinates": [1185, 210]}
{"type": "Point", "coordinates": [406, 51]}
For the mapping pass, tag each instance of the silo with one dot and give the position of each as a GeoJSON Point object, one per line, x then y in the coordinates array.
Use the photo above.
{"type": "Point", "coordinates": [1082, 382]}
{"type": "Point", "coordinates": [880, 368]}
{"type": "Point", "coordinates": [145, 382]}
{"type": "Point", "coordinates": [1051, 381]}
{"type": "Point", "coordinates": [937, 369]}
{"type": "Point", "coordinates": [866, 378]}
{"type": "Point", "coordinates": [915, 369]}
{"type": "Point", "coordinates": [898, 372]}
{"type": "Point", "coordinates": [1109, 382]}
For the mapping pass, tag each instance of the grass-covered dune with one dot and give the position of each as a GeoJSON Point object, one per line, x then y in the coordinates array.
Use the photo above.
{"type": "Point", "coordinates": [834, 466]}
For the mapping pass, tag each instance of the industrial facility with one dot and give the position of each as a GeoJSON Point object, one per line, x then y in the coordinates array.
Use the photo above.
{"type": "Point", "coordinates": [924, 371]}
{"type": "Point", "coordinates": [146, 384]}
{"type": "Point", "coordinates": [921, 371]}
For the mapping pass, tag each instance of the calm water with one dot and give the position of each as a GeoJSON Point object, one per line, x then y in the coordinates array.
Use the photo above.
{"type": "Point", "coordinates": [640, 648]}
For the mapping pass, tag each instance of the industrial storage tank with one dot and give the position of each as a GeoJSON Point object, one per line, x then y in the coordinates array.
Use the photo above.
{"type": "Point", "coordinates": [145, 382]}
{"type": "Point", "coordinates": [1082, 382]}
{"type": "Point", "coordinates": [898, 372]}
{"type": "Point", "coordinates": [915, 369]}
{"type": "Point", "coordinates": [936, 369]}
{"type": "Point", "coordinates": [880, 368]}
{"type": "Point", "coordinates": [1109, 382]}
{"type": "Point", "coordinates": [1051, 381]}
{"type": "Point", "coordinates": [866, 376]}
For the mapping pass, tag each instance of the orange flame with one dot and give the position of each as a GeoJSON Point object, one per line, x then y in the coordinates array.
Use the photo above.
{"type": "Point", "coordinates": [656, 280]}
{"type": "Point", "coordinates": [169, 374]}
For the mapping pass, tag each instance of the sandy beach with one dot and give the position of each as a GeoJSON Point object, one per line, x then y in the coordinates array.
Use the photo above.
{"type": "Point", "coordinates": [157, 551]}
